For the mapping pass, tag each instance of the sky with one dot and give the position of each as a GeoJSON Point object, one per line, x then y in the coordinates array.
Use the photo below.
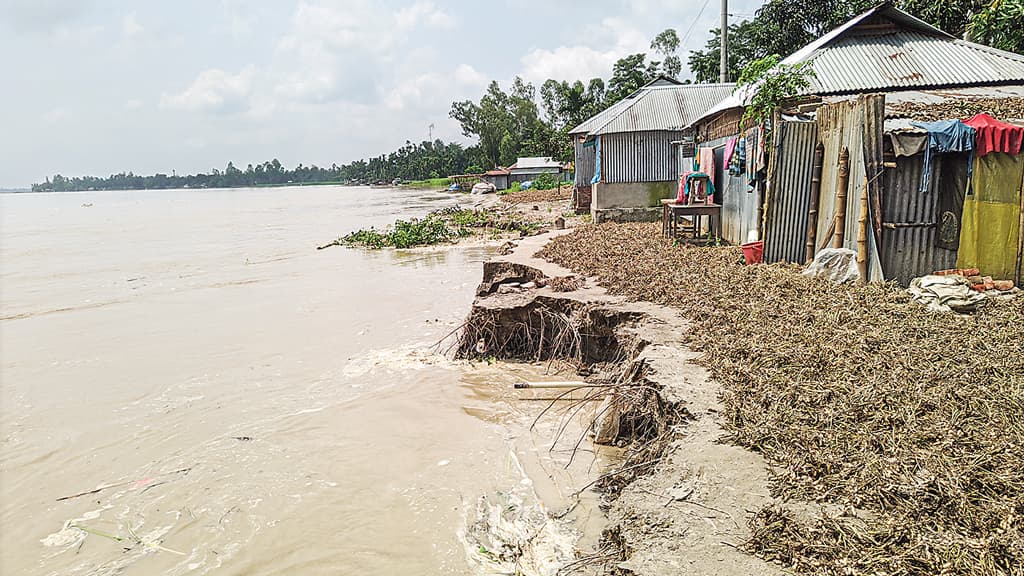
{"type": "Point", "coordinates": [96, 87]}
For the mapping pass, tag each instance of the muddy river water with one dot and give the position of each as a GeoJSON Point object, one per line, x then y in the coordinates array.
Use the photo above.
{"type": "Point", "coordinates": [187, 386]}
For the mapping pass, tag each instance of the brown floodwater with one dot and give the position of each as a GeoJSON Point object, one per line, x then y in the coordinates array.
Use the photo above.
{"type": "Point", "coordinates": [187, 386]}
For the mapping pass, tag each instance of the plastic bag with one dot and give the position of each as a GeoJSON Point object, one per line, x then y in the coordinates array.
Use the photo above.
{"type": "Point", "coordinates": [839, 265]}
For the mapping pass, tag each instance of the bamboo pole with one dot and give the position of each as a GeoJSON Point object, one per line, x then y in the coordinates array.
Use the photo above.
{"type": "Point", "coordinates": [844, 184]}
{"type": "Point", "coordinates": [812, 212]}
{"type": "Point", "coordinates": [1020, 238]}
{"type": "Point", "coordinates": [862, 233]}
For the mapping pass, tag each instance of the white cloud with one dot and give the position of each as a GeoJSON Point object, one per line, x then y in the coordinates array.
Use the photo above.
{"type": "Point", "coordinates": [616, 37]}
{"type": "Point", "coordinates": [466, 75]}
{"type": "Point", "coordinates": [56, 115]}
{"type": "Point", "coordinates": [130, 26]}
{"type": "Point", "coordinates": [213, 90]}
{"type": "Point", "coordinates": [423, 13]}
{"type": "Point", "coordinates": [132, 104]}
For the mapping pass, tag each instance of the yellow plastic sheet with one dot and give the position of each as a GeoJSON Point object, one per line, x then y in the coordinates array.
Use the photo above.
{"type": "Point", "coordinates": [991, 220]}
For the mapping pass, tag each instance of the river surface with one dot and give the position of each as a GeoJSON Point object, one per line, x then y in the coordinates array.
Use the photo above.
{"type": "Point", "coordinates": [188, 386]}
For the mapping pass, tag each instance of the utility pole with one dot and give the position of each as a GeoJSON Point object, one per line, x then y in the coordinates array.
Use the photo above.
{"type": "Point", "coordinates": [723, 74]}
{"type": "Point", "coordinates": [430, 132]}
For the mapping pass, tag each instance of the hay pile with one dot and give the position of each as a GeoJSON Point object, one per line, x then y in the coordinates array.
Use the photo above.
{"type": "Point", "coordinates": [530, 196]}
{"type": "Point", "coordinates": [1001, 108]}
{"type": "Point", "coordinates": [857, 397]}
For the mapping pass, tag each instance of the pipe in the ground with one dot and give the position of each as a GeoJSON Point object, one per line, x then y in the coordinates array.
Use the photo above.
{"type": "Point", "coordinates": [570, 384]}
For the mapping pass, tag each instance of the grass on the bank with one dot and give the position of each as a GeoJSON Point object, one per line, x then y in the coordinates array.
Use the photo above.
{"type": "Point", "coordinates": [430, 183]}
{"type": "Point", "coordinates": [438, 227]}
{"type": "Point", "coordinates": [856, 396]}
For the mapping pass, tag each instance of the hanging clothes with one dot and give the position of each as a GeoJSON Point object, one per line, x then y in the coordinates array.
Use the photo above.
{"type": "Point", "coordinates": [754, 156]}
{"type": "Point", "coordinates": [946, 136]}
{"type": "Point", "coordinates": [730, 148]}
{"type": "Point", "coordinates": [738, 162]}
{"type": "Point", "coordinates": [906, 143]}
{"type": "Point", "coordinates": [991, 219]}
{"type": "Point", "coordinates": [996, 136]}
{"type": "Point", "coordinates": [707, 162]}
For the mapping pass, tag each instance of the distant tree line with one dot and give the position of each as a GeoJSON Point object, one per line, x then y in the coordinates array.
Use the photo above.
{"type": "Point", "coordinates": [410, 162]}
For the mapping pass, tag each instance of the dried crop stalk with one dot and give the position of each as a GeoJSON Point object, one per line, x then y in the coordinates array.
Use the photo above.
{"type": "Point", "coordinates": [812, 213]}
{"type": "Point", "coordinates": [844, 184]}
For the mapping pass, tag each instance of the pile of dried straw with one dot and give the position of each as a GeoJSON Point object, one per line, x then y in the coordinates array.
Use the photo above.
{"type": "Point", "coordinates": [857, 397]}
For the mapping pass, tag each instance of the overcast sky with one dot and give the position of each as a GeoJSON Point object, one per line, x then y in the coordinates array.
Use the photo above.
{"type": "Point", "coordinates": [97, 87]}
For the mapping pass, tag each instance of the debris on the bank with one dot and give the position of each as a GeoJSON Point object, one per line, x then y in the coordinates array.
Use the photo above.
{"type": "Point", "coordinates": [858, 397]}
{"type": "Point", "coordinates": [945, 293]}
{"type": "Point", "coordinates": [837, 265]}
{"type": "Point", "coordinates": [511, 532]}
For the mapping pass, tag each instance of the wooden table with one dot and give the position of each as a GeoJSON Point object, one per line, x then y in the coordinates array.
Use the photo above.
{"type": "Point", "coordinates": [672, 215]}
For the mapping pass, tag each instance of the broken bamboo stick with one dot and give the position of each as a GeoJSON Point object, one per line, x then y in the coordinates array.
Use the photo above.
{"type": "Point", "coordinates": [862, 233]}
{"type": "Point", "coordinates": [812, 212]}
{"type": "Point", "coordinates": [843, 185]}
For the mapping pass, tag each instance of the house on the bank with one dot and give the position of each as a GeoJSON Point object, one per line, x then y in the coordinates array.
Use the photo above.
{"type": "Point", "coordinates": [626, 156]}
{"type": "Point", "coordinates": [878, 82]}
{"type": "Point", "coordinates": [530, 168]}
{"type": "Point", "coordinates": [499, 178]}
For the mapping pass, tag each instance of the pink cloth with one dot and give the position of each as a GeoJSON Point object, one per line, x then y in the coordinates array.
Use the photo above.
{"type": "Point", "coordinates": [730, 148]}
{"type": "Point", "coordinates": [681, 195]}
{"type": "Point", "coordinates": [707, 162]}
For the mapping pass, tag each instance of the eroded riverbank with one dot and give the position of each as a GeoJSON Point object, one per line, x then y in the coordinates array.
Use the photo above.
{"type": "Point", "coordinates": [680, 500]}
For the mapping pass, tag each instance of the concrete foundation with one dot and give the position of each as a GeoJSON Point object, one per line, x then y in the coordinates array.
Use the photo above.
{"type": "Point", "coordinates": [629, 201]}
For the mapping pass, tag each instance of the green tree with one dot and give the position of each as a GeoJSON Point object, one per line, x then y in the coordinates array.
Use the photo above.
{"type": "Point", "coordinates": [705, 64]}
{"type": "Point", "coordinates": [1000, 24]}
{"type": "Point", "coordinates": [628, 74]}
{"type": "Point", "coordinates": [666, 43]}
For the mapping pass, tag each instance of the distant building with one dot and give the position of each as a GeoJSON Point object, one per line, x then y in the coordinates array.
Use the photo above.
{"type": "Point", "coordinates": [499, 178]}
{"type": "Point", "coordinates": [626, 156]}
{"type": "Point", "coordinates": [530, 168]}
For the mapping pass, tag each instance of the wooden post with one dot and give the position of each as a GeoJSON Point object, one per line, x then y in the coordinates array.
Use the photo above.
{"type": "Point", "coordinates": [844, 184]}
{"type": "Point", "coordinates": [862, 234]}
{"type": "Point", "coordinates": [812, 212]}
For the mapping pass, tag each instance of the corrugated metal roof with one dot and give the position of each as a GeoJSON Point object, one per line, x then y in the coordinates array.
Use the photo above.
{"type": "Point", "coordinates": [656, 108]}
{"type": "Point", "coordinates": [908, 59]}
{"type": "Point", "coordinates": [887, 49]}
{"type": "Point", "coordinates": [536, 162]}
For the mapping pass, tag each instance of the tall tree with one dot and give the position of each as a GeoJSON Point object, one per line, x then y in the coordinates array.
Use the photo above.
{"type": "Point", "coordinates": [666, 43]}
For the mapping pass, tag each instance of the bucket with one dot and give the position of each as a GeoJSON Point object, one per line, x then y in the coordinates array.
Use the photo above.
{"type": "Point", "coordinates": [753, 252]}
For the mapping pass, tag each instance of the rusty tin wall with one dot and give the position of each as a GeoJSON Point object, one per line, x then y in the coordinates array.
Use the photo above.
{"type": "Point", "coordinates": [911, 252]}
{"type": "Point", "coordinates": [790, 191]}
{"type": "Point", "coordinates": [585, 157]}
{"type": "Point", "coordinates": [639, 157]}
{"type": "Point", "coordinates": [845, 125]}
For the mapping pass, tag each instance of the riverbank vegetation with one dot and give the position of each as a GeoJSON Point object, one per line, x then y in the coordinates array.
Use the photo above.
{"type": "Point", "coordinates": [894, 434]}
{"type": "Point", "coordinates": [440, 227]}
{"type": "Point", "coordinates": [431, 183]}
